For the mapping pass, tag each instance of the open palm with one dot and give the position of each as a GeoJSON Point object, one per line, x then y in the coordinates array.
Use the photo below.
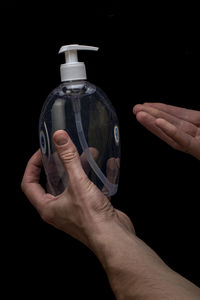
{"type": "Point", "coordinates": [178, 127]}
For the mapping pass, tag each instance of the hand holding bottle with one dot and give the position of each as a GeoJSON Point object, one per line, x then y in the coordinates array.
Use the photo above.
{"type": "Point", "coordinates": [82, 210]}
{"type": "Point", "coordinates": [178, 127]}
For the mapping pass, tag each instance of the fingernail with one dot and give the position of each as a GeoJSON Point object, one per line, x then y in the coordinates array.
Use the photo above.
{"type": "Point", "coordinates": [60, 139]}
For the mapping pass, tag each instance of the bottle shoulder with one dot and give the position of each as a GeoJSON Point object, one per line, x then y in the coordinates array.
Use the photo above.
{"type": "Point", "coordinates": [76, 89]}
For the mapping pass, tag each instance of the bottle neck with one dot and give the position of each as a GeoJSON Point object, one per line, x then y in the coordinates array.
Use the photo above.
{"type": "Point", "coordinates": [75, 86]}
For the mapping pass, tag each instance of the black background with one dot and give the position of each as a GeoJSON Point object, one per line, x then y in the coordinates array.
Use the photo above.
{"type": "Point", "coordinates": [147, 53]}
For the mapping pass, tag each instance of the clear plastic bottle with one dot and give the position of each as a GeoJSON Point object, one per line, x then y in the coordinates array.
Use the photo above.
{"type": "Point", "coordinates": [86, 113]}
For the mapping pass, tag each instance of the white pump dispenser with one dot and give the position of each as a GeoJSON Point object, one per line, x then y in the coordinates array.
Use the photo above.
{"type": "Point", "coordinates": [73, 69]}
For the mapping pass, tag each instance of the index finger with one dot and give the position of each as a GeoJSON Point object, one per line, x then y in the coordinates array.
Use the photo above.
{"type": "Point", "coordinates": [186, 114]}
{"type": "Point", "coordinates": [30, 182]}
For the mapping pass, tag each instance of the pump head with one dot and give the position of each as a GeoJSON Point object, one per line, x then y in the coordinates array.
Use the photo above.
{"type": "Point", "coordinates": [73, 69]}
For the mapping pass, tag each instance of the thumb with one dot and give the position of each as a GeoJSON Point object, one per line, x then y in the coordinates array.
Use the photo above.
{"type": "Point", "coordinates": [68, 155]}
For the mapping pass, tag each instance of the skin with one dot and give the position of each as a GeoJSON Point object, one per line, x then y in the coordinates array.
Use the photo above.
{"type": "Point", "coordinates": [134, 270]}
{"type": "Point", "coordinates": [178, 127]}
{"type": "Point", "coordinates": [81, 206]}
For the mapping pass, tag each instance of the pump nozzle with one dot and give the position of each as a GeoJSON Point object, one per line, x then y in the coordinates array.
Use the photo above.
{"type": "Point", "coordinates": [73, 69]}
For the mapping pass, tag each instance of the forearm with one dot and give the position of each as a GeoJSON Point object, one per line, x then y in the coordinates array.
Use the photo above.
{"type": "Point", "coordinates": [136, 272]}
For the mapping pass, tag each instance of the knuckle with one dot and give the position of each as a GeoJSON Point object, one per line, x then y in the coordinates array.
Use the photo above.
{"type": "Point", "coordinates": [105, 208]}
{"type": "Point", "coordinates": [84, 180]}
{"type": "Point", "coordinates": [155, 112]}
{"type": "Point", "coordinates": [68, 156]}
{"type": "Point", "coordinates": [82, 183]}
{"type": "Point", "coordinates": [174, 132]}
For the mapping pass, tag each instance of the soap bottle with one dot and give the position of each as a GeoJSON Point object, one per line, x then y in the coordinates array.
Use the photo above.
{"type": "Point", "coordinates": [86, 113]}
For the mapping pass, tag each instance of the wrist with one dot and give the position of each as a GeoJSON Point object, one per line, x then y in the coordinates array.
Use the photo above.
{"type": "Point", "coordinates": [127, 261]}
{"type": "Point", "coordinates": [109, 244]}
{"type": "Point", "coordinates": [106, 237]}
{"type": "Point", "coordinates": [134, 270]}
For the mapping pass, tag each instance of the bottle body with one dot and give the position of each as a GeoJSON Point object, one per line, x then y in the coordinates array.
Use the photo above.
{"type": "Point", "coordinates": [85, 112]}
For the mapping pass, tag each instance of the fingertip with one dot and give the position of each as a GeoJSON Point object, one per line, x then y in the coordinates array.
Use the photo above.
{"type": "Point", "coordinates": [141, 116]}
{"type": "Point", "coordinates": [37, 153]}
{"type": "Point", "coordinates": [60, 137]}
{"type": "Point", "coordinates": [137, 108]}
{"type": "Point", "coordinates": [134, 109]}
{"type": "Point", "coordinates": [94, 152]}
